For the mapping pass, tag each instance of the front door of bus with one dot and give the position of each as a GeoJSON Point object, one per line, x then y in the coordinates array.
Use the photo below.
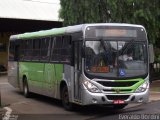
{"type": "Point", "coordinates": [77, 69]}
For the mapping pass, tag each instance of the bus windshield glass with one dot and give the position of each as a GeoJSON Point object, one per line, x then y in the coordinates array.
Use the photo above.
{"type": "Point", "coordinates": [115, 58]}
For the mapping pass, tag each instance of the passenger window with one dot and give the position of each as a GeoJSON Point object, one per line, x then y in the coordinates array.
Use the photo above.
{"type": "Point", "coordinates": [45, 49]}
{"type": "Point", "coordinates": [36, 49]}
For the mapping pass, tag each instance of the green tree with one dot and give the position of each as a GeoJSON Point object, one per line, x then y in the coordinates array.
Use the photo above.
{"type": "Point", "coordinates": [145, 12]}
{"type": "Point", "coordinates": [83, 11]}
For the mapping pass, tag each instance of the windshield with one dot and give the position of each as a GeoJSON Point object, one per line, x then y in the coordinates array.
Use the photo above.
{"type": "Point", "coordinates": [115, 59]}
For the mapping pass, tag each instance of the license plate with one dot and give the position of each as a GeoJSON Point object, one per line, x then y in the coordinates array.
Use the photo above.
{"type": "Point", "coordinates": [118, 101]}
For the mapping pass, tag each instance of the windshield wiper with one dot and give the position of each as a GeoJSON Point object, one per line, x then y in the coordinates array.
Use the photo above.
{"type": "Point", "coordinates": [104, 45]}
{"type": "Point", "coordinates": [127, 46]}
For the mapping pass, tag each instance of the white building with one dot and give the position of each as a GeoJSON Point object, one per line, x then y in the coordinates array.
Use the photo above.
{"type": "Point", "coordinates": [19, 16]}
{"type": "Point", "coordinates": [46, 10]}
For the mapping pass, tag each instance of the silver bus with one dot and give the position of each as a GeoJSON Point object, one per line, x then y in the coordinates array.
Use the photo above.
{"type": "Point", "coordinates": [88, 64]}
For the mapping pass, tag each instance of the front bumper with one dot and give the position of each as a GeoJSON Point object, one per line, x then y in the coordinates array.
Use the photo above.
{"type": "Point", "coordinates": [89, 98]}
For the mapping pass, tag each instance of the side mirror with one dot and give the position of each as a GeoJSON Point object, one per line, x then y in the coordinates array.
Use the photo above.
{"type": "Point", "coordinates": [151, 53]}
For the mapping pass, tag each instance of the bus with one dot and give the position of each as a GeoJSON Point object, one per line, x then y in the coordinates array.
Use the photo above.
{"type": "Point", "coordinates": [83, 64]}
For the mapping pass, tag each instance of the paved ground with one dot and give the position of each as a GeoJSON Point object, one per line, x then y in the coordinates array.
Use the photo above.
{"type": "Point", "coordinates": [155, 90]}
{"type": "Point", "coordinates": [154, 96]}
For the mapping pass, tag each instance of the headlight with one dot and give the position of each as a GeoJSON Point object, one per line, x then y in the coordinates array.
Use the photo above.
{"type": "Point", "coordinates": [142, 87]}
{"type": "Point", "coordinates": [91, 87]}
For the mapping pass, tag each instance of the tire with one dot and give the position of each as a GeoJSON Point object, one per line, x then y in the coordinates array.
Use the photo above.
{"type": "Point", "coordinates": [118, 107]}
{"type": "Point", "coordinates": [65, 99]}
{"type": "Point", "coordinates": [26, 92]}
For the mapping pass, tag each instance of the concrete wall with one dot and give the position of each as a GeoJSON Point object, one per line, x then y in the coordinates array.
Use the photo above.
{"type": "Point", "coordinates": [4, 40]}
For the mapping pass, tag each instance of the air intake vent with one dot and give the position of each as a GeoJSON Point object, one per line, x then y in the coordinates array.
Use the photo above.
{"type": "Point", "coordinates": [117, 97]}
{"type": "Point", "coordinates": [120, 90]}
{"type": "Point", "coordinates": [117, 84]}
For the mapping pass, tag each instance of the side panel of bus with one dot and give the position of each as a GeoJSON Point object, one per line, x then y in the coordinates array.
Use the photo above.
{"type": "Point", "coordinates": [42, 78]}
{"type": "Point", "coordinates": [13, 73]}
{"type": "Point", "coordinates": [53, 74]}
{"type": "Point", "coordinates": [34, 75]}
{"type": "Point", "coordinates": [13, 65]}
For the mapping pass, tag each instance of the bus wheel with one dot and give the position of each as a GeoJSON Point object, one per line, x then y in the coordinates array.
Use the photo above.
{"type": "Point", "coordinates": [25, 88]}
{"type": "Point", "coordinates": [65, 99]}
{"type": "Point", "coordinates": [118, 107]}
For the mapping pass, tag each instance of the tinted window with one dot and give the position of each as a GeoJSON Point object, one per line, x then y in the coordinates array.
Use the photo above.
{"type": "Point", "coordinates": [36, 49]}
{"type": "Point", "coordinates": [56, 49]}
{"type": "Point", "coordinates": [61, 49]}
{"type": "Point", "coordinates": [26, 50]}
{"type": "Point", "coordinates": [66, 49]}
{"type": "Point", "coordinates": [45, 49]}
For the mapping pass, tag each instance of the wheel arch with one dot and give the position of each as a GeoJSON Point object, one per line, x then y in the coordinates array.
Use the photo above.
{"type": "Point", "coordinates": [62, 84]}
{"type": "Point", "coordinates": [22, 80]}
{"type": "Point", "coordinates": [23, 77]}
{"type": "Point", "coordinates": [26, 90]}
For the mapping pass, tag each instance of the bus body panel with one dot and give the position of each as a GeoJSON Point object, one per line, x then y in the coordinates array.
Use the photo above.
{"type": "Point", "coordinates": [68, 77]}
{"type": "Point", "coordinates": [43, 78]}
{"type": "Point", "coordinates": [49, 84]}
{"type": "Point", "coordinates": [34, 74]}
{"type": "Point", "coordinates": [13, 73]}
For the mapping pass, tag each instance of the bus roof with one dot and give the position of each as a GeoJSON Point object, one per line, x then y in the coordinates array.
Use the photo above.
{"type": "Point", "coordinates": [37, 34]}
{"type": "Point", "coordinates": [65, 30]}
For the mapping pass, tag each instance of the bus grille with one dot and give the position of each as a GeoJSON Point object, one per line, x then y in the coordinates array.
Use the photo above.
{"type": "Point", "coordinates": [117, 97]}
{"type": "Point", "coordinates": [120, 90]}
{"type": "Point", "coordinates": [117, 84]}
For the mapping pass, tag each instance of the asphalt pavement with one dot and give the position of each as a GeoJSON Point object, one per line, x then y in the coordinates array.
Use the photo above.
{"type": "Point", "coordinates": [154, 93]}
{"type": "Point", "coordinates": [155, 90]}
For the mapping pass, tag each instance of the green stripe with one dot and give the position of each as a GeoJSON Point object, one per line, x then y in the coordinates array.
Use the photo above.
{"type": "Point", "coordinates": [130, 89]}
{"type": "Point", "coordinates": [52, 32]}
